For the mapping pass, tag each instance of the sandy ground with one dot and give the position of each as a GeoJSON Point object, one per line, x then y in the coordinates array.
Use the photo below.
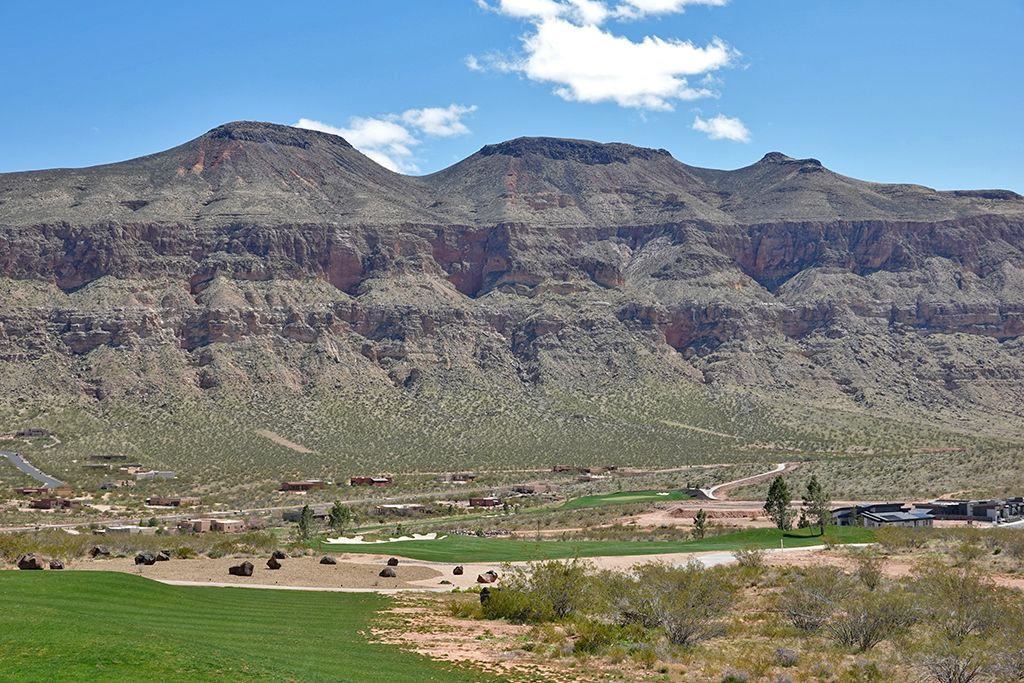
{"type": "Point", "coordinates": [281, 441]}
{"type": "Point", "coordinates": [296, 572]}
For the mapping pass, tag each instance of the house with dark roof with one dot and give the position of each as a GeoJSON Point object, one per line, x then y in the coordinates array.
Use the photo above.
{"type": "Point", "coordinates": [881, 514]}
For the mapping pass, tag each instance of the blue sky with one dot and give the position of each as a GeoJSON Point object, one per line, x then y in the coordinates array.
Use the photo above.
{"type": "Point", "coordinates": [927, 91]}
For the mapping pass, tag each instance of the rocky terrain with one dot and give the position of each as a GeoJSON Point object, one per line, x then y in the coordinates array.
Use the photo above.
{"type": "Point", "coordinates": [269, 274]}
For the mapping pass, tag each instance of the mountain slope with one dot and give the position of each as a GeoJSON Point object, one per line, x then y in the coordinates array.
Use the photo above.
{"type": "Point", "coordinates": [535, 297]}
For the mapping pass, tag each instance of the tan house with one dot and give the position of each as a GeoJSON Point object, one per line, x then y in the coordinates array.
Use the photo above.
{"type": "Point", "coordinates": [228, 526]}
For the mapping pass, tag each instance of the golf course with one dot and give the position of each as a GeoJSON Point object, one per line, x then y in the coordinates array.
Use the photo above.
{"type": "Point", "coordinates": [103, 626]}
{"type": "Point", "coordinates": [475, 549]}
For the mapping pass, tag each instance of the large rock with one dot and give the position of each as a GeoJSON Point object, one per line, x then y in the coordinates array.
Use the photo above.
{"type": "Point", "coordinates": [56, 564]}
{"type": "Point", "coordinates": [145, 558]}
{"type": "Point", "coordinates": [487, 577]}
{"type": "Point", "coordinates": [392, 561]}
{"type": "Point", "coordinates": [244, 569]}
{"type": "Point", "coordinates": [31, 561]}
{"type": "Point", "coordinates": [273, 563]}
{"type": "Point", "coordinates": [388, 573]}
{"type": "Point", "coordinates": [163, 556]}
{"type": "Point", "coordinates": [458, 571]}
{"type": "Point", "coordinates": [99, 551]}
{"type": "Point", "coordinates": [327, 559]}
{"type": "Point", "coordinates": [278, 555]}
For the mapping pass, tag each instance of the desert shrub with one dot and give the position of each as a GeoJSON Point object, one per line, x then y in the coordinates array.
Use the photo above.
{"type": "Point", "coordinates": [868, 567]}
{"type": "Point", "coordinates": [517, 606]}
{"type": "Point", "coordinates": [687, 603]}
{"type": "Point", "coordinates": [544, 591]}
{"type": "Point", "coordinates": [901, 538]}
{"type": "Point", "coordinates": [786, 657]}
{"type": "Point", "coordinates": [645, 657]}
{"type": "Point", "coordinates": [959, 603]}
{"type": "Point", "coordinates": [735, 676]}
{"type": "Point", "coordinates": [750, 558]}
{"type": "Point", "coordinates": [811, 597]}
{"type": "Point", "coordinates": [866, 619]}
{"type": "Point", "coordinates": [185, 552]}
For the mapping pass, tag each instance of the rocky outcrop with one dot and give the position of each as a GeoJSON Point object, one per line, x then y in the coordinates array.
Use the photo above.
{"type": "Point", "coordinates": [535, 263]}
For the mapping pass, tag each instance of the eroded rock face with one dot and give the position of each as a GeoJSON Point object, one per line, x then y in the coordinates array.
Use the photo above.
{"type": "Point", "coordinates": [534, 262]}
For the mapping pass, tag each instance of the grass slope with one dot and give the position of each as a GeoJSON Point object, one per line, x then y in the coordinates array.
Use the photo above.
{"type": "Point", "coordinates": [474, 549]}
{"type": "Point", "coordinates": [624, 498]}
{"type": "Point", "coordinates": [99, 626]}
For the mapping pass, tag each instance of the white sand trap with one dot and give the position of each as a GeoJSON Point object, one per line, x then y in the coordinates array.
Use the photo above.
{"type": "Point", "coordinates": [358, 540]}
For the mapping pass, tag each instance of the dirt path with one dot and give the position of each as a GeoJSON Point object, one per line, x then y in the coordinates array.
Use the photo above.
{"type": "Point", "coordinates": [281, 441]}
{"type": "Point", "coordinates": [720, 492]}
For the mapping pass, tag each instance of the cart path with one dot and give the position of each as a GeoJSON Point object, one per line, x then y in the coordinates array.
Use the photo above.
{"type": "Point", "coordinates": [31, 470]}
{"type": "Point", "coordinates": [719, 492]}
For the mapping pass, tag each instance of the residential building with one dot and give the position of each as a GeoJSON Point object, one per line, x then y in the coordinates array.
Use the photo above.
{"type": "Point", "coordinates": [484, 502]}
{"type": "Point", "coordinates": [881, 514]}
{"type": "Point", "coordinates": [172, 501]}
{"type": "Point", "coordinates": [228, 526]}
{"type": "Point", "coordinates": [308, 485]}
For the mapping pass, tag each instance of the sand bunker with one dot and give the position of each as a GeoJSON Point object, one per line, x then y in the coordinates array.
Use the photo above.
{"type": "Point", "coordinates": [358, 540]}
{"type": "Point", "coordinates": [295, 571]}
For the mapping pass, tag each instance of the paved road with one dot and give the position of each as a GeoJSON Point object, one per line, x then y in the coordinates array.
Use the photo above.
{"type": "Point", "coordinates": [30, 470]}
{"type": "Point", "coordinates": [710, 493]}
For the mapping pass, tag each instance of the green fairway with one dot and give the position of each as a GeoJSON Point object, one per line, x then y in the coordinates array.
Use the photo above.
{"type": "Point", "coordinates": [624, 498]}
{"type": "Point", "coordinates": [104, 626]}
{"type": "Point", "coordinates": [473, 549]}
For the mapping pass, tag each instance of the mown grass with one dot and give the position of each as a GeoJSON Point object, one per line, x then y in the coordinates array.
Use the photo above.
{"type": "Point", "coordinates": [624, 498]}
{"type": "Point", "coordinates": [475, 549]}
{"type": "Point", "coordinates": [108, 626]}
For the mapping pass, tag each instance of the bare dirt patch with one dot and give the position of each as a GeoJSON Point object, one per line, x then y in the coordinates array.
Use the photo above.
{"type": "Point", "coordinates": [281, 441]}
{"type": "Point", "coordinates": [295, 572]}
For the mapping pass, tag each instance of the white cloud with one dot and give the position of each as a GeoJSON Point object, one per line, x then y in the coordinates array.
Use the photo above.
{"type": "Point", "coordinates": [636, 9]}
{"type": "Point", "coordinates": [443, 122]}
{"type": "Point", "coordinates": [722, 127]}
{"type": "Point", "coordinates": [589, 64]}
{"type": "Point", "coordinates": [389, 139]}
{"type": "Point", "coordinates": [586, 62]}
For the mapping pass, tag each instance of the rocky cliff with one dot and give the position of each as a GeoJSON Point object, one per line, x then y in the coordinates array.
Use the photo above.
{"type": "Point", "coordinates": [261, 258]}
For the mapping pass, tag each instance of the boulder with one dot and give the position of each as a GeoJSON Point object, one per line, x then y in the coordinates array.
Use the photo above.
{"type": "Point", "coordinates": [388, 573]}
{"type": "Point", "coordinates": [487, 577]}
{"type": "Point", "coordinates": [31, 561]}
{"type": "Point", "coordinates": [392, 561]}
{"type": "Point", "coordinates": [445, 582]}
{"type": "Point", "coordinates": [56, 564]}
{"type": "Point", "coordinates": [273, 563]}
{"type": "Point", "coordinates": [458, 571]}
{"type": "Point", "coordinates": [99, 551]}
{"type": "Point", "coordinates": [278, 555]}
{"type": "Point", "coordinates": [163, 556]}
{"type": "Point", "coordinates": [145, 558]}
{"type": "Point", "coordinates": [244, 569]}
{"type": "Point", "coordinates": [327, 559]}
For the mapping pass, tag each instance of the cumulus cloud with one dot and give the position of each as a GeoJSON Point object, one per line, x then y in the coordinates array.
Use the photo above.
{"type": "Point", "coordinates": [722, 127]}
{"type": "Point", "coordinates": [571, 48]}
{"type": "Point", "coordinates": [391, 138]}
{"type": "Point", "coordinates": [443, 122]}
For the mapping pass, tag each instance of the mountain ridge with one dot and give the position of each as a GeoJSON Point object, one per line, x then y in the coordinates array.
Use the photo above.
{"type": "Point", "coordinates": [263, 260]}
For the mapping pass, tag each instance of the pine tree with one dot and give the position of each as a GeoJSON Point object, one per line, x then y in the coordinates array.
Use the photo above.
{"type": "Point", "coordinates": [777, 503]}
{"type": "Point", "coordinates": [339, 517]}
{"type": "Point", "coordinates": [817, 504]}
{"type": "Point", "coordinates": [305, 523]}
{"type": "Point", "coordinates": [700, 523]}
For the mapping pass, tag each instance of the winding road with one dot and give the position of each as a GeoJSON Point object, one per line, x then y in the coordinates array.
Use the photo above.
{"type": "Point", "coordinates": [31, 470]}
{"type": "Point", "coordinates": [722, 488]}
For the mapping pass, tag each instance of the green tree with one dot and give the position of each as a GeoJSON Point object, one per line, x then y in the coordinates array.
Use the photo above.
{"type": "Point", "coordinates": [340, 517]}
{"type": "Point", "coordinates": [700, 524]}
{"type": "Point", "coordinates": [777, 503]}
{"type": "Point", "coordinates": [305, 523]}
{"type": "Point", "coordinates": [817, 504]}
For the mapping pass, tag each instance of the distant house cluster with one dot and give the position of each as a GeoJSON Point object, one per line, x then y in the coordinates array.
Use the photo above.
{"type": "Point", "coordinates": [224, 526]}
{"type": "Point", "coordinates": [995, 510]}
{"type": "Point", "coordinates": [370, 481]}
{"type": "Point", "coordinates": [881, 515]}
{"type": "Point", "coordinates": [307, 485]}
{"type": "Point", "coordinates": [172, 501]}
